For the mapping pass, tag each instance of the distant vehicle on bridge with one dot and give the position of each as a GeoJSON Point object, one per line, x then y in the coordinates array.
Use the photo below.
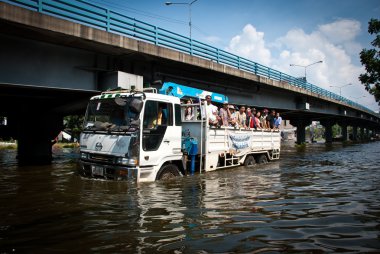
{"type": "Point", "coordinates": [141, 135]}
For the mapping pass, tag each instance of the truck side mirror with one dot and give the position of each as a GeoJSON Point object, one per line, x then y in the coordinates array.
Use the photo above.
{"type": "Point", "coordinates": [135, 105]}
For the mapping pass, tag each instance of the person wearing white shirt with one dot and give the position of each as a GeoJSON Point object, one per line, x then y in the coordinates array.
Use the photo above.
{"type": "Point", "coordinates": [212, 112]}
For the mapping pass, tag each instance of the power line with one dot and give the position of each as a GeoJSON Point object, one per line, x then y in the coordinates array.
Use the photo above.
{"type": "Point", "coordinates": [146, 14]}
{"type": "Point", "coordinates": [200, 31]}
{"type": "Point", "coordinates": [140, 12]}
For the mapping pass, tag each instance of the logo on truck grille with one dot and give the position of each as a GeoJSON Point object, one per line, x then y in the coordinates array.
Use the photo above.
{"type": "Point", "coordinates": [98, 146]}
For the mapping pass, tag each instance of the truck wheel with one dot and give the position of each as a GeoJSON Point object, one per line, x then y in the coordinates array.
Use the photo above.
{"type": "Point", "coordinates": [262, 159]}
{"type": "Point", "coordinates": [249, 161]}
{"type": "Point", "coordinates": [169, 171]}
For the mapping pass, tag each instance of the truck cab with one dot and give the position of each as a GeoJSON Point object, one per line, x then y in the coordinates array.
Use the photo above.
{"type": "Point", "coordinates": [131, 135]}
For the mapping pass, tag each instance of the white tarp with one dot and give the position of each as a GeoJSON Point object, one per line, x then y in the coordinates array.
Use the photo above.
{"type": "Point", "coordinates": [239, 142]}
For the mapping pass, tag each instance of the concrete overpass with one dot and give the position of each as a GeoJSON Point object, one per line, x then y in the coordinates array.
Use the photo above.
{"type": "Point", "coordinates": [50, 66]}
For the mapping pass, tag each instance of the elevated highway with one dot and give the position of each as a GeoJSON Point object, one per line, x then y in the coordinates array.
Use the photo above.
{"type": "Point", "coordinates": [55, 54]}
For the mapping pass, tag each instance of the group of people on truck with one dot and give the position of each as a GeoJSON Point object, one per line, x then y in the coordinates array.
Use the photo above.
{"type": "Point", "coordinates": [232, 116]}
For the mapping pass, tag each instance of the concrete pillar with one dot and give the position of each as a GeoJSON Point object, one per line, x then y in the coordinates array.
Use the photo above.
{"type": "Point", "coordinates": [328, 130]}
{"type": "Point", "coordinates": [354, 133]}
{"type": "Point", "coordinates": [362, 133]}
{"type": "Point", "coordinates": [344, 131]}
{"type": "Point", "coordinates": [301, 133]}
{"type": "Point", "coordinates": [35, 135]}
{"type": "Point", "coordinates": [367, 135]}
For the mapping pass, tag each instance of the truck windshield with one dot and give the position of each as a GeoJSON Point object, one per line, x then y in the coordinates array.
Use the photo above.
{"type": "Point", "coordinates": [107, 115]}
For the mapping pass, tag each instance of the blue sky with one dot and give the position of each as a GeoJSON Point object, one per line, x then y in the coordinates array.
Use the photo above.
{"type": "Point", "coordinates": [276, 33]}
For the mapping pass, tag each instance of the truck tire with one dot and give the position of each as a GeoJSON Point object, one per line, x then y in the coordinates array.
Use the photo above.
{"type": "Point", "coordinates": [169, 171]}
{"type": "Point", "coordinates": [249, 161]}
{"type": "Point", "coordinates": [262, 159]}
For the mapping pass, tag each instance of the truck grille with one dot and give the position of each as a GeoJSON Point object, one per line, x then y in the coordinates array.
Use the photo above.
{"type": "Point", "coordinates": [102, 158]}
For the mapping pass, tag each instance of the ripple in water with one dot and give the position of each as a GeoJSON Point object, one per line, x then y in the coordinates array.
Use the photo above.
{"type": "Point", "coordinates": [321, 200]}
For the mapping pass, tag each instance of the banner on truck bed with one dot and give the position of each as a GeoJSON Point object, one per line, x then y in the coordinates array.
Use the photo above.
{"type": "Point", "coordinates": [239, 142]}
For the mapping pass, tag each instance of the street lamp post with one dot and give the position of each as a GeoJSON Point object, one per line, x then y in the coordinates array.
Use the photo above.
{"type": "Point", "coordinates": [305, 66]}
{"type": "Point", "coordinates": [340, 88]}
{"type": "Point", "coordinates": [356, 98]}
{"type": "Point", "coordinates": [188, 4]}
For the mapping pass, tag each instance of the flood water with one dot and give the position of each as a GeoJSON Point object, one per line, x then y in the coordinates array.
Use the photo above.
{"type": "Point", "coordinates": [325, 199]}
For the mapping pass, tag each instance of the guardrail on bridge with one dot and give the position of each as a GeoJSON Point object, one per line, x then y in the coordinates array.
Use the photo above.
{"type": "Point", "coordinates": [106, 19]}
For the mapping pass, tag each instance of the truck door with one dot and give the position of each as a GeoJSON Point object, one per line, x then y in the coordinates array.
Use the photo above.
{"type": "Point", "coordinates": [161, 137]}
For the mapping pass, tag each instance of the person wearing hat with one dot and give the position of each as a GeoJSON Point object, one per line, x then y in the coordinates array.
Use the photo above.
{"type": "Point", "coordinates": [232, 116]}
{"type": "Point", "coordinates": [224, 114]}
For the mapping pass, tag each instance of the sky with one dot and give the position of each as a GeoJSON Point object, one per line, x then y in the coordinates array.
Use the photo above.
{"type": "Point", "coordinates": [276, 33]}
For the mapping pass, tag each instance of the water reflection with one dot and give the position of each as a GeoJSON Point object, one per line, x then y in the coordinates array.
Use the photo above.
{"type": "Point", "coordinates": [322, 200]}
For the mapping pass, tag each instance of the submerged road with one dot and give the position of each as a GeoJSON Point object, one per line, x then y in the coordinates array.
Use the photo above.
{"type": "Point", "coordinates": [324, 199]}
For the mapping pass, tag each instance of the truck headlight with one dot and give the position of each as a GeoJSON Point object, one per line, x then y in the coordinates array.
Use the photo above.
{"type": "Point", "coordinates": [127, 161]}
{"type": "Point", "coordinates": [133, 162]}
{"type": "Point", "coordinates": [123, 161]}
{"type": "Point", "coordinates": [84, 156]}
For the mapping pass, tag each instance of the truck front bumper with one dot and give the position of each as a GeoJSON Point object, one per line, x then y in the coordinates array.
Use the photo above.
{"type": "Point", "coordinates": [112, 172]}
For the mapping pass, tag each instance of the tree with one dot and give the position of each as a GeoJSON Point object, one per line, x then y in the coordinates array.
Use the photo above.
{"type": "Point", "coordinates": [73, 123]}
{"type": "Point", "coordinates": [370, 59]}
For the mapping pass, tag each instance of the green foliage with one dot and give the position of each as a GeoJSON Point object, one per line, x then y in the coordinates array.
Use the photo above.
{"type": "Point", "coordinates": [336, 130]}
{"type": "Point", "coordinates": [69, 145]}
{"type": "Point", "coordinates": [315, 132]}
{"type": "Point", "coordinates": [74, 124]}
{"type": "Point", "coordinates": [370, 59]}
{"type": "Point", "coordinates": [8, 147]}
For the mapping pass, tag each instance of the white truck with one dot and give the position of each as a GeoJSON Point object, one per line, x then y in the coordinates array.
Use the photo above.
{"type": "Point", "coordinates": [144, 136]}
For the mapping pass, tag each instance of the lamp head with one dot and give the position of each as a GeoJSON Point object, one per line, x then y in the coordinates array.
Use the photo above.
{"type": "Point", "coordinates": [168, 3]}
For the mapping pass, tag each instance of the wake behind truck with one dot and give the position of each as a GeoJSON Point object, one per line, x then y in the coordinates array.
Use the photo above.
{"type": "Point", "coordinates": [143, 135]}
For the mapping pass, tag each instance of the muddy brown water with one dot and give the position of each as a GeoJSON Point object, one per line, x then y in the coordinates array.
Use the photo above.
{"type": "Point", "coordinates": [324, 199]}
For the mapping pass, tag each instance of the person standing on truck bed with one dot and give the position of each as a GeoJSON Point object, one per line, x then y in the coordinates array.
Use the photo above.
{"type": "Point", "coordinates": [249, 120]}
{"type": "Point", "coordinates": [212, 112]}
{"type": "Point", "coordinates": [257, 121]}
{"type": "Point", "coordinates": [278, 121]}
{"type": "Point", "coordinates": [241, 117]}
{"type": "Point", "coordinates": [271, 118]}
{"type": "Point", "coordinates": [263, 119]}
{"type": "Point", "coordinates": [224, 114]}
{"type": "Point", "coordinates": [232, 118]}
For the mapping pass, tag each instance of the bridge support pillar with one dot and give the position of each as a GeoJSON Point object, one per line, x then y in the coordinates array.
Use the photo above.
{"type": "Point", "coordinates": [301, 133]}
{"type": "Point", "coordinates": [343, 125]}
{"type": "Point", "coordinates": [354, 133]}
{"type": "Point", "coordinates": [328, 130]}
{"type": "Point", "coordinates": [35, 135]}
{"type": "Point", "coordinates": [362, 137]}
{"type": "Point", "coordinates": [367, 135]}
